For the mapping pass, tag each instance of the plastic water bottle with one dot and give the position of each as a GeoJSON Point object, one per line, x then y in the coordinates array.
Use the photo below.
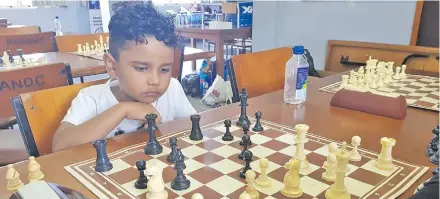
{"type": "Point", "coordinates": [297, 70]}
{"type": "Point", "coordinates": [57, 24]}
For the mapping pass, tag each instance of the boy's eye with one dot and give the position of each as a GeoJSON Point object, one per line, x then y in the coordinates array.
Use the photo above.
{"type": "Point", "coordinates": [165, 69]}
{"type": "Point", "coordinates": [140, 68]}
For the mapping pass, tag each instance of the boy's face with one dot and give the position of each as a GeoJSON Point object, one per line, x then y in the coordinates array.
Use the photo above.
{"type": "Point", "coordinates": [143, 70]}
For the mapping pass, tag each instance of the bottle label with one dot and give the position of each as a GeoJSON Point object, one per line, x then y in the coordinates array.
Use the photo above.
{"type": "Point", "coordinates": [301, 82]}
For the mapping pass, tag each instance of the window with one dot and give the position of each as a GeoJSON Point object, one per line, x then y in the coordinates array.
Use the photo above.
{"type": "Point", "coordinates": [15, 3]}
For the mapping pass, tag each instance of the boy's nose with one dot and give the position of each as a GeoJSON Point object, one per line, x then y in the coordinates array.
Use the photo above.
{"type": "Point", "coordinates": [153, 79]}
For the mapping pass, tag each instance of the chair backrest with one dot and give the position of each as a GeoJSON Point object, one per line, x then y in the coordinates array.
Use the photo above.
{"type": "Point", "coordinates": [260, 72]}
{"type": "Point", "coordinates": [422, 64]}
{"type": "Point", "coordinates": [29, 43]}
{"type": "Point", "coordinates": [180, 57]}
{"type": "Point", "coordinates": [27, 79]}
{"type": "Point", "coordinates": [40, 113]}
{"type": "Point", "coordinates": [348, 55]}
{"type": "Point", "coordinates": [19, 30]}
{"type": "Point", "coordinates": [68, 43]}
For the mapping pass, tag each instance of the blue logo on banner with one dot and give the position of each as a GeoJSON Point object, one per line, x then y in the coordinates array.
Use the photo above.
{"type": "Point", "coordinates": [245, 14]}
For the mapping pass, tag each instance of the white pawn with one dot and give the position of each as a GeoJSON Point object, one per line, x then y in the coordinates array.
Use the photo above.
{"type": "Point", "coordinates": [34, 170]}
{"type": "Point", "coordinates": [197, 196]}
{"type": "Point", "coordinates": [403, 73]}
{"type": "Point", "coordinates": [250, 189]}
{"type": "Point", "coordinates": [330, 173]}
{"type": "Point", "coordinates": [353, 79]}
{"type": "Point", "coordinates": [245, 196]}
{"type": "Point", "coordinates": [397, 75]}
{"type": "Point", "coordinates": [355, 142]}
{"type": "Point", "coordinates": [380, 82]}
{"type": "Point", "coordinates": [13, 178]}
{"type": "Point", "coordinates": [361, 70]}
{"type": "Point", "coordinates": [79, 48]}
{"type": "Point", "coordinates": [263, 180]}
{"type": "Point", "coordinates": [332, 149]}
{"type": "Point", "coordinates": [344, 81]}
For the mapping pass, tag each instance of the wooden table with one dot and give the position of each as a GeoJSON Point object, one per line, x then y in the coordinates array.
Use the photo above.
{"type": "Point", "coordinates": [218, 36]}
{"type": "Point", "coordinates": [412, 134]}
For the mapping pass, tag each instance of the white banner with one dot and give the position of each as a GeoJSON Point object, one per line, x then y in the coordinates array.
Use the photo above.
{"type": "Point", "coordinates": [95, 17]}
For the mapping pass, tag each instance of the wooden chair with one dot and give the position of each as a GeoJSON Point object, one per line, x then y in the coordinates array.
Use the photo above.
{"type": "Point", "coordinates": [348, 55]}
{"type": "Point", "coordinates": [21, 80]}
{"type": "Point", "coordinates": [180, 57]}
{"type": "Point", "coordinates": [422, 64]}
{"type": "Point", "coordinates": [260, 72]}
{"type": "Point", "coordinates": [19, 30]}
{"type": "Point", "coordinates": [40, 113]}
{"type": "Point", "coordinates": [29, 43]}
{"type": "Point", "coordinates": [68, 43]}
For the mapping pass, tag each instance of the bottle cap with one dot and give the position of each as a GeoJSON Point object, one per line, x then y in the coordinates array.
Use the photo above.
{"type": "Point", "coordinates": [56, 17]}
{"type": "Point", "coordinates": [298, 50]}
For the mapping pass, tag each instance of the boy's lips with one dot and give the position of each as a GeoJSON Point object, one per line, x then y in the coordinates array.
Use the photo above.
{"type": "Point", "coordinates": [151, 94]}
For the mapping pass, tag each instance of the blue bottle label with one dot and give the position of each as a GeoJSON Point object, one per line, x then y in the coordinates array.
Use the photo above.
{"type": "Point", "coordinates": [301, 82]}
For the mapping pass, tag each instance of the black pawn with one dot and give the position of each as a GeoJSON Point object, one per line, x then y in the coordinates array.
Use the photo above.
{"type": "Point", "coordinates": [258, 127]}
{"type": "Point", "coordinates": [173, 155]}
{"type": "Point", "coordinates": [153, 146]}
{"type": "Point", "coordinates": [434, 158]}
{"type": "Point", "coordinates": [11, 57]}
{"type": "Point", "coordinates": [227, 136]}
{"type": "Point", "coordinates": [433, 144]}
{"type": "Point", "coordinates": [196, 132]}
{"type": "Point", "coordinates": [243, 104]}
{"type": "Point", "coordinates": [141, 182]}
{"type": "Point", "coordinates": [103, 163]}
{"type": "Point", "coordinates": [180, 182]}
{"type": "Point", "coordinates": [245, 140]}
{"type": "Point", "coordinates": [245, 131]}
{"type": "Point", "coordinates": [20, 53]}
{"type": "Point", "coordinates": [435, 171]}
{"type": "Point", "coordinates": [247, 158]}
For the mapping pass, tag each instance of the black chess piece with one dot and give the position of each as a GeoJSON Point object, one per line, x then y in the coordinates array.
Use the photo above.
{"type": "Point", "coordinates": [433, 144]}
{"type": "Point", "coordinates": [153, 146]}
{"type": "Point", "coordinates": [180, 182]}
{"type": "Point", "coordinates": [1, 62]}
{"type": "Point", "coordinates": [173, 155]}
{"type": "Point", "coordinates": [103, 163]}
{"type": "Point", "coordinates": [227, 136]}
{"type": "Point", "coordinates": [245, 132]}
{"type": "Point", "coordinates": [247, 158]}
{"type": "Point", "coordinates": [435, 171]}
{"type": "Point", "coordinates": [258, 127]}
{"type": "Point", "coordinates": [196, 132]}
{"type": "Point", "coordinates": [243, 105]}
{"type": "Point", "coordinates": [434, 158]}
{"type": "Point", "coordinates": [119, 132]}
{"type": "Point", "coordinates": [245, 140]}
{"type": "Point", "coordinates": [141, 182]}
{"type": "Point", "coordinates": [11, 57]}
{"type": "Point", "coordinates": [20, 53]}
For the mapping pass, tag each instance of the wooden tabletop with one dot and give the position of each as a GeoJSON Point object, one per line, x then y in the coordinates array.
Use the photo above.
{"type": "Point", "coordinates": [412, 134]}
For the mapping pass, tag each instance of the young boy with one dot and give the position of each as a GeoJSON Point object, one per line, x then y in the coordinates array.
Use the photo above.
{"type": "Point", "coordinates": [142, 43]}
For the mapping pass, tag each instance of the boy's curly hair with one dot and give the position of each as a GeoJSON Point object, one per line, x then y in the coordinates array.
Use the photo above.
{"type": "Point", "coordinates": [133, 20]}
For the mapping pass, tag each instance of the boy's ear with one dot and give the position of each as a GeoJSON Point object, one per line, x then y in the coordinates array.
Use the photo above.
{"type": "Point", "coordinates": [110, 65]}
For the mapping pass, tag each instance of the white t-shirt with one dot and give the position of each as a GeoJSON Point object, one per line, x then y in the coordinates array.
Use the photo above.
{"type": "Point", "coordinates": [94, 100]}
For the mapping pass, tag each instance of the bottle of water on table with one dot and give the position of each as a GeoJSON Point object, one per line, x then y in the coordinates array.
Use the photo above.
{"type": "Point", "coordinates": [297, 70]}
{"type": "Point", "coordinates": [57, 24]}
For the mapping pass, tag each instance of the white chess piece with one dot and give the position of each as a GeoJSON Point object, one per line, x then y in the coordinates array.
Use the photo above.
{"type": "Point", "coordinates": [332, 149]}
{"type": "Point", "coordinates": [353, 79]}
{"type": "Point", "coordinates": [403, 72]}
{"type": "Point", "coordinates": [250, 180]}
{"type": "Point", "coordinates": [329, 174]}
{"type": "Point", "coordinates": [34, 170]}
{"type": "Point", "coordinates": [155, 184]}
{"type": "Point", "coordinates": [263, 180]}
{"type": "Point", "coordinates": [355, 142]}
{"type": "Point", "coordinates": [339, 190]}
{"type": "Point", "coordinates": [397, 75]}
{"type": "Point", "coordinates": [197, 196]}
{"type": "Point", "coordinates": [361, 70]}
{"type": "Point", "coordinates": [79, 48]}
{"type": "Point", "coordinates": [301, 131]}
{"type": "Point", "coordinates": [344, 81]}
{"type": "Point", "coordinates": [380, 82]}
{"type": "Point", "coordinates": [373, 84]}
{"type": "Point", "coordinates": [245, 195]}
{"type": "Point", "coordinates": [13, 178]}
{"type": "Point", "coordinates": [96, 44]}
{"type": "Point", "coordinates": [101, 40]}
{"type": "Point", "coordinates": [385, 159]}
{"type": "Point", "coordinates": [6, 59]}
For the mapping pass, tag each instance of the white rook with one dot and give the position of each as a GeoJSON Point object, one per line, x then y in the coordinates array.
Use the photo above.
{"type": "Point", "coordinates": [385, 159]}
{"type": "Point", "coordinates": [301, 132]}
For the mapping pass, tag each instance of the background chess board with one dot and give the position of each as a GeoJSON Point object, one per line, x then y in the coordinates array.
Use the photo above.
{"type": "Point", "coordinates": [213, 167]}
{"type": "Point", "coordinates": [94, 55]}
{"type": "Point", "coordinates": [419, 91]}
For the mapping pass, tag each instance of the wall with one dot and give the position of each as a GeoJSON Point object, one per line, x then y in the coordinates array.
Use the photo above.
{"type": "Point", "coordinates": [74, 19]}
{"type": "Point", "coordinates": [312, 23]}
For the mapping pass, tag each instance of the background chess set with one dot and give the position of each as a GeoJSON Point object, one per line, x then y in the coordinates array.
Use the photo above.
{"type": "Point", "coordinates": [213, 167]}
{"type": "Point", "coordinates": [94, 51]}
{"type": "Point", "coordinates": [419, 91]}
{"type": "Point", "coordinates": [20, 61]}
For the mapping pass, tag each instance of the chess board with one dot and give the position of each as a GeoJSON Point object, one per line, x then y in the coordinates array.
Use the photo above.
{"type": "Point", "coordinates": [93, 55]}
{"type": "Point", "coordinates": [213, 167]}
{"type": "Point", "coordinates": [419, 91]}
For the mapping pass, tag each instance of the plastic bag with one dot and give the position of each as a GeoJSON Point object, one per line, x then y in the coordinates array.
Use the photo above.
{"type": "Point", "coordinates": [219, 93]}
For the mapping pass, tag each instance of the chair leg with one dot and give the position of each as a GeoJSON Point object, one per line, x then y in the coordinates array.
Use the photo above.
{"type": "Point", "coordinates": [82, 79]}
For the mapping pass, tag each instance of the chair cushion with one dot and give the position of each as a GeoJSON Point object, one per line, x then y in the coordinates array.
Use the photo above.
{"type": "Point", "coordinates": [12, 148]}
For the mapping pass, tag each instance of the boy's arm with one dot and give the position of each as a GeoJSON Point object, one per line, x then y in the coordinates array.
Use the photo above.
{"type": "Point", "coordinates": [70, 135]}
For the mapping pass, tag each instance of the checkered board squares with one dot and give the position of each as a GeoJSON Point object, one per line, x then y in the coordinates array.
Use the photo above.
{"type": "Point", "coordinates": [213, 167]}
{"type": "Point", "coordinates": [419, 91]}
{"type": "Point", "coordinates": [94, 55]}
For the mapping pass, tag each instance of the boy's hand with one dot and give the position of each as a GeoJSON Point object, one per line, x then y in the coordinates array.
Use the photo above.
{"type": "Point", "coordinates": [138, 111]}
